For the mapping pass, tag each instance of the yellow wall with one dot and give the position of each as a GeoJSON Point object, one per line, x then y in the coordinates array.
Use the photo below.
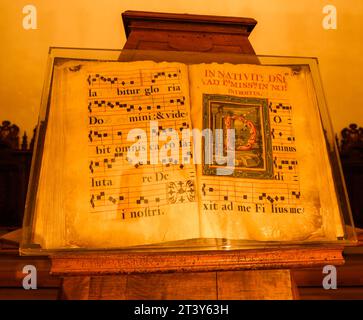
{"type": "Point", "coordinates": [285, 27]}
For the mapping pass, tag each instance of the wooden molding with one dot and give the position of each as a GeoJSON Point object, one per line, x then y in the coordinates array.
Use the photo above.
{"type": "Point", "coordinates": [187, 32]}
{"type": "Point", "coordinates": [239, 24]}
{"type": "Point", "coordinates": [101, 263]}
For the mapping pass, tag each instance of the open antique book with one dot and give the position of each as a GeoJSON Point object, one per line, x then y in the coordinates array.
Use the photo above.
{"type": "Point", "coordinates": [124, 162]}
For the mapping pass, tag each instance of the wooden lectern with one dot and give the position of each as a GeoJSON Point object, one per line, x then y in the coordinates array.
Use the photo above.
{"type": "Point", "coordinates": [186, 32]}
{"type": "Point", "coordinates": [229, 274]}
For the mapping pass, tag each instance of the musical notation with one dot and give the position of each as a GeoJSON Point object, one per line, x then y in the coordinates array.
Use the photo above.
{"type": "Point", "coordinates": [133, 79]}
{"type": "Point", "coordinates": [120, 102]}
{"type": "Point", "coordinates": [166, 102]}
{"type": "Point", "coordinates": [249, 193]}
{"type": "Point", "coordinates": [117, 103]}
{"type": "Point", "coordinates": [282, 190]}
{"type": "Point", "coordinates": [282, 135]}
{"type": "Point", "coordinates": [114, 199]}
{"type": "Point", "coordinates": [288, 164]}
{"type": "Point", "coordinates": [283, 142]}
{"type": "Point", "coordinates": [105, 135]}
{"type": "Point", "coordinates": [279, 107]}
{"type": "Point", "coordinates": [282, 132]}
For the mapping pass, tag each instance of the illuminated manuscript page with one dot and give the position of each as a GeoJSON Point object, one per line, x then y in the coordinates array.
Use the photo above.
{"type": "Point", "coordinates": [89, 194]}
{"type": "Point", "coordinates": [110, 177]}
{"type": "Point", "coordinates": [281, 187]}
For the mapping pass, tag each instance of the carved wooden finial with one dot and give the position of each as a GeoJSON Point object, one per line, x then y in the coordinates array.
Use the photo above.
{"type": "Point", "coordinates": [9, 135]}
{"type": "Point", "coordinates": [352, 139]}
{"type": "Point", "coordinates": [32, 141]}
{"type": "Point", "coordinates": [24, 142]}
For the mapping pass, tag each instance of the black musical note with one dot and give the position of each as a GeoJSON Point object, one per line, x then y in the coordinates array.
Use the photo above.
{"type": "Point", "coordinates": [142, 199]}
{"type": "Point", "coordinates": [105, 104]}
{"type": "Point", "coordinates": [112, 199]}
{"type": "Point", "coordinates": [296, 194]}
{"type": "Point", "coordinates": [282, 107]}
{"type": "Point", "coordinates": [97, 134]}
{"type": "Point", "coordinates": [100, 196]}
{"type": "Point", "coordinates": [92, 201]}
{"type": "Point", "coordinates": [107, 162]}
{"type": "Point", "coordinates": [270, 198]}
{"type": "Point", "coordinates": [91, 166]}
{"type": "Point", "coordinates": [110, 80]}
{"type": "Point", "coordinates": [130, 108]}
{"type": "Point", "coordinates": [279, 106]}
{"type": "Point", "coordinates": [290, 164]}
{"type": "Point", "coordinates": [270, 107]}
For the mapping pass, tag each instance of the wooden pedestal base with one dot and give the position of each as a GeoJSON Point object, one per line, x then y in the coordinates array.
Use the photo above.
{"type": "Point", "coordinates": [237, 274]}
{"type": "Point", "coordinates": [224, 285]}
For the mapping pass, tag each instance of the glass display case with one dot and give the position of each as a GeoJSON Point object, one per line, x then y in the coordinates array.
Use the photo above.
{"type": "Point", "coordinates": [316, 153]}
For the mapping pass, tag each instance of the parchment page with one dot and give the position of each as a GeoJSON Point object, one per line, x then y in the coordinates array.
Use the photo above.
{"type": "Point", "coordinates": [109, 176]}
{"type": "Point", "coordinates": [281, 187]}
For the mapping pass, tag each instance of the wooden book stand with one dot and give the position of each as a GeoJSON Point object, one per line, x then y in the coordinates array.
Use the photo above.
{"type": "Point", "coordinates": [235, 274]}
